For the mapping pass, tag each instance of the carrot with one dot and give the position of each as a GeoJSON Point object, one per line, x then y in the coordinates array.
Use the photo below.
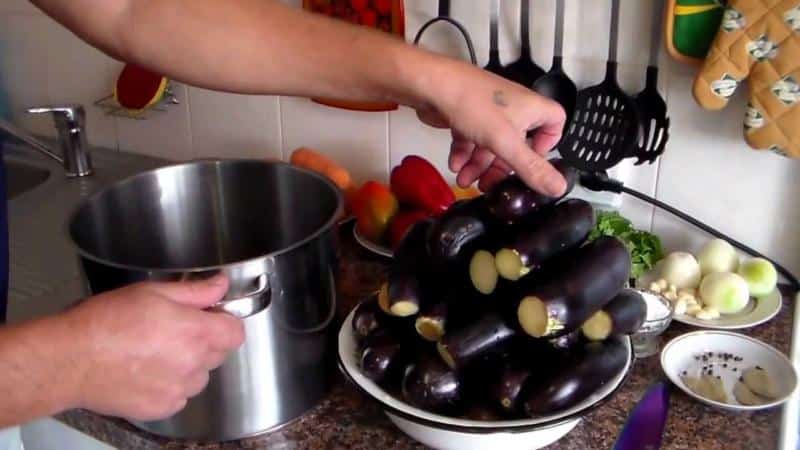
{"type": "Point", "coordinates": [313, 160]}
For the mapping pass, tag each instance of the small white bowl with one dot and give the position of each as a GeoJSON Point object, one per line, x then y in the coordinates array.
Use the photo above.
{"type": "Point", "coordinates": [680, 355]}
{"type": "Point", "coordinates": [449, 433]}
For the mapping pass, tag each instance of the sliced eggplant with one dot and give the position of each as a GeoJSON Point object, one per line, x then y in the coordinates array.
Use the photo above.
{"type": "Point", "coordinates": [431, 323]}
{"type": "Point", "coordinates": [483, 272]}
{"type": "Point", "coordinates": [580, 375]}
{"type": "Point", "coordinates": [429, 384]}
{"type": "Point", "coordinates": [404, 292]}
{"type": "Point", "coordinates": [584, 283]}
{"type": "Point", "coordinates": [489, 334]}
{"type": "Point", "coordinates": [383, 358]}
{"type": "Point", "coordinates": [564, 226]}
{"type": "Point", "coordinates": [511, 200]}
{"type": "Point", "coordinates": [455, 231]}
{"type": "Point", "coordinates": [624, 314]}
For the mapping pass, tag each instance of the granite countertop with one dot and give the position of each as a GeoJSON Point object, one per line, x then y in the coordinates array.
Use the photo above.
{"type": "Point", "coordinates": [347, 419]}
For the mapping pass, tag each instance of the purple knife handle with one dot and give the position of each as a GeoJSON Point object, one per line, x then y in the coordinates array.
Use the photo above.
{"type": "Point", "coordinates": [644, 428]}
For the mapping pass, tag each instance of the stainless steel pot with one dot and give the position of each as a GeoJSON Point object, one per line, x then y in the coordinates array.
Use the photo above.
{"type": "Point", "coordinates": [271, 228]}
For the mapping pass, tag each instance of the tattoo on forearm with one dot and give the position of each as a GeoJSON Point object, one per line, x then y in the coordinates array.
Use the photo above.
{"type": "Point", "coordinates": [499, 98]}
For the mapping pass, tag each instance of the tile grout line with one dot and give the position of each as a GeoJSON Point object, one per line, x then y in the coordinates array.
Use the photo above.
{"type": "Point", "coordinates": [281, 144]}
{"type": "Point", "coordinates": [388, 135]}
{"type": "Point", "coordinates": [192, 152]}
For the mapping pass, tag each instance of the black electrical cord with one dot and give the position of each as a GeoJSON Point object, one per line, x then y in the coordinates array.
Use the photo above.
{"type": "Point", "coordinates": [598, 181]}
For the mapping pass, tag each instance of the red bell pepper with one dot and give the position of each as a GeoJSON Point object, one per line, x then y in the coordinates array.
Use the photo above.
{"type": "Point", "coordinates": [418, 184]}
{"type": "Point", "coordinates": [402, 222]}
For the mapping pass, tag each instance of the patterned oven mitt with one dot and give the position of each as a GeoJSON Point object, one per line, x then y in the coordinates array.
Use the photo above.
{"type": "Point", "coordinates": [759, 39]}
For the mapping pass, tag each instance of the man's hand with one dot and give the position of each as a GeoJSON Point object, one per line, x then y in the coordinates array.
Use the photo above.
{"type": "Point", "coordinates": [147, 348]}
{"type": "Point", "coordinates": [489, 118]}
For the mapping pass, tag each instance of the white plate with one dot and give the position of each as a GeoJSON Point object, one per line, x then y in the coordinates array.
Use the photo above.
{"type": "Point", "coordinates": [348, 358]}
{"type": "Point", "coordinates": [755, 313]}
{"type": "Point", "coordinates": [369, 245]}
{"type": "Point", "coordinates": [679, 355]}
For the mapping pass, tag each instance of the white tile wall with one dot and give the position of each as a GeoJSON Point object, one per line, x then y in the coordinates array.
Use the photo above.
{"type": "Point", "coordinates": [408, 137]}
{"type": "Point", "coordinates": [357, 139]}
{"type": "Point", "coordinates": [707, 170]}
{"type": "Point", "coordinates": [24, 39]}
{"type": "Point", "coordinates": [73, 83]}
{"type": "Point", "coordinates": [18, 6]}
{"type": "Point", "coordinates": [257, 119]}
{"type": "Point", "coordinates": [166, 134]}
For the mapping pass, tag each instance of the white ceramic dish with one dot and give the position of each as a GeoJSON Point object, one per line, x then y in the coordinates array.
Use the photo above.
{"type": "Point", "coordinates": [680, 354]}
{"type": "Point", "coordinates": [371, 246]}
{"type": "Point", "coordinates": [755, 313]}
{"type": "Point", "coordinates": [446, 433]}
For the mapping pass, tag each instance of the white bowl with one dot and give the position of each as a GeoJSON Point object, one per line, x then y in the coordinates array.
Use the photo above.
{"type": "Point", "coordinates": [449, 433]}
{"type": "Point", "coordinates": [680, 353]}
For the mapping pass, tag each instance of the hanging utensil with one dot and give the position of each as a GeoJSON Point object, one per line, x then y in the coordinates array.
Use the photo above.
{"type": "Point", "coordinates": [555, 84]}
{"type": "Point", "coordinates": [524, 71]}
{"type": "Point", "coordinates": [444, 16]}
{"type": "Point", "coordinates": [494, 65]}
{"type": "Point", "coordinates": [606, 124]}
{"type": "Point", "coordinates": [644, 428]}
{"type": "Point", "coordinates": [651, 106]}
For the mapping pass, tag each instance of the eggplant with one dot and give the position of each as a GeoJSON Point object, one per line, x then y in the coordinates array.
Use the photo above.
{"type": "Point", "coordinates": [489, 334]}
{"type": "Point", "coordinates": [455, 231]}
{"type": "Point", "coordinates": [383, 358]}
{"type": "Point", "coordinates": [585, 282]}
{"type": "Point", "coordinates": [580, 375]}
{"type": "Point", "coordinates": [624, 314]}
{"type": "Point", "coordinates": [564, 226]}
{"type": "Point", "coordinates": [511, 201]}
{"type": "Point", "coordinates": [567, 341]}
{"type": "Point", "coordinates": [368, 317]}
{"type": "Point", "coordinates": [431, 323]}
{"type": "Point", "coordinates": [404, 291]}
{"type": "Point", "coordinates": [429, 384]}
{"type": "Point", "coordinates": [507, 388]}
{"type": "Point", "coordinates": [481, 413]}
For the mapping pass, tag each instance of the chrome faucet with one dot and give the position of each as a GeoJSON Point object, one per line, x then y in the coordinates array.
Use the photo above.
{"type": "Point", "coordinates": [70, 121]}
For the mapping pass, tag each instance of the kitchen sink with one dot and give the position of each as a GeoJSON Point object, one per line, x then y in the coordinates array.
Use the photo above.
{"type": "Point", "coordinates": [22, 177]}
{"type": "Point", "coordinates": [43, 265]}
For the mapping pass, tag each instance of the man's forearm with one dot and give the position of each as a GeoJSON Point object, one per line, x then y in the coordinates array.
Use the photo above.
{"type": "Point", "coordinates": [253, 46]}
{"type": "Point", "coordinates": [38, 373]}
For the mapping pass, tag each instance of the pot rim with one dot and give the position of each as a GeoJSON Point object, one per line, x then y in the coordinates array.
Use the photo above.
{"type": "Point", "coordinates": [331, 222]}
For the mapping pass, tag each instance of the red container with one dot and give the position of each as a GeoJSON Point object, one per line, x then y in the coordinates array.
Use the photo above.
{"type": "Point", "coordinates": [385, 15]}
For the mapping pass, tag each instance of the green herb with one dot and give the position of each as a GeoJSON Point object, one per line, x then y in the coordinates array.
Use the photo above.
{"type": "Point", "coordinates": [645, 247]}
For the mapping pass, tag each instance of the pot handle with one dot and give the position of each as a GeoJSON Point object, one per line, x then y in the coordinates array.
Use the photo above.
{"type": "Point", "coordinates": [248, 304]}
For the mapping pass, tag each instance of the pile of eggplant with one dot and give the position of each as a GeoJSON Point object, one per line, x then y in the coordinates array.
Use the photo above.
{"type": "Point", "coordinates": [500, 308]}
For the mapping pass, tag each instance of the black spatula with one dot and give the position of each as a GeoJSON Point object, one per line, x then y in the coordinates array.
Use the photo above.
{"type": "Point", "coordinates": [494, 65]}
{"type": "Point", "coordinates": [651, 106]}
{"type": "Point", "coordinates": [555, 84]}
{"type": "Point", "coordinates": [606, 124]}
{"type": "Point", "coordinates": [524, 70]}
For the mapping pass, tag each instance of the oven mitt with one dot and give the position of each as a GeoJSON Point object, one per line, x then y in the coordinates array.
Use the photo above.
{"type": "Point", "coordinates": [759, 40]}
